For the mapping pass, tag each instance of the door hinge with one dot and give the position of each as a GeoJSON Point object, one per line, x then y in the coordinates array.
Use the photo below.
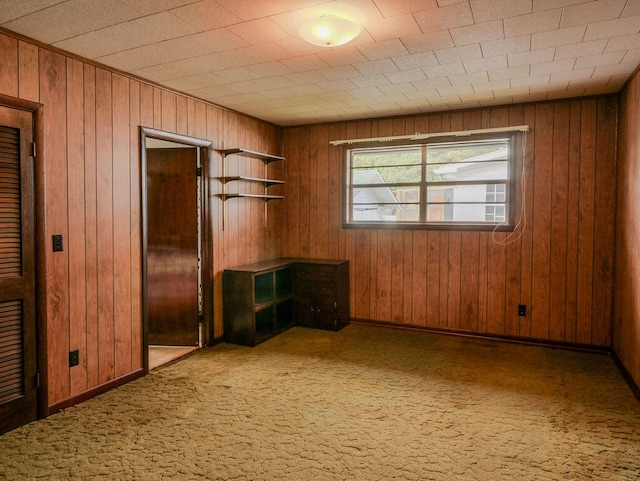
{"type": "Point", "coordinates": [33, 149]}
{"type": "Point", "coordinates": [198, 171]}
{"type": "Point", "coordinates": [37, 380]}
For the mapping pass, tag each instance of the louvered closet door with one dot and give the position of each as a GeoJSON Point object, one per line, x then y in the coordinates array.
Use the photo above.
{"type": "Point", "coordinates": [18, 394]}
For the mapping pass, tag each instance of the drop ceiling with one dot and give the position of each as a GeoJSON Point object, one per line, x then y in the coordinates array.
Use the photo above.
{"type": "Point", "coordinates": [412, 56]}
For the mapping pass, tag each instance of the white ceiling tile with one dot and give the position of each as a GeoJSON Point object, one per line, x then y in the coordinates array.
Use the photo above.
{"type": "Point", "coordinates": [270, 69]}
{"type": "Point", "coordinates": [613, 58]}
{"type": "Point", "coordinates": [336, 85]}
{"type": "Point", "coordinates": [623, 42]}
{"type": "Point", "coordinates": [429, 84]}
{"type": "Point", "coordinates": [206, 15]}
{"type": "Point", "coordinates": [468, 79]}
{"type": "Point", "coordinates": [623, 68]}
{"type": "Point", "coordinates": [398, 88]}
{"type": "Point", "coordinates": [148, 7]}
{"type": "Point", "coordinates": [259, 31]}
{"type": "Point", "coordinates": [111, 39]}
{"type": "Point", "coordinates": [573, 75]}
{"type": "Point", "coordinates": [551, 67]}
{"type": "Point", "coordinates": [304, 63]}
{"type": "Point", "coordinates": [378, 50]}
{"type": "Point", "coordinates": [542, 79]}
{"type": "Point", "coordinates": [237, 74]}
{"type": "Point", "coordinates": [253, 10]}
{"type": "Point", "coordinates": [305, 78]}
{"type": "Point", "coordinates": [631, 56]}
{"type": "Point", "coordinates": [47, 25]}
{"type": "Point", "coordinates": [534, 56]}
{"type": "Point", "coordinates": [613, 28]}
{"type": "Point", "coordinates": [428, 42]}
{"type": "Point", "coordinates": [506, 46]}
{"type": "Point", "coordinates": [376, 66]}
{"type": "Point", "coordinates": [445, 17]}
{"type": "Point", "coordinates": [219, 40]}
{"type": "Point", "coordinates": [632, 8]}
{"type": "Point", "coordinates": [458, 54]}
{"type": "Point", "coordinates": [490, 86]}
{"type": "Point", "coordinates": [341, 56]}
{"type": "Point", "coordinates": [532, 23]}
{"type": "Point", "coordinates": [539, 5]}
{"type": "Point", "coordinates": [336, 73]}
{"type": "Point", "coordinates": [389, 28]}
{"type": "Point", "coordinates": [371, 81]}
{"type": "Point", "coordinates": [297, 47]}
{"type": "Point", "coordinates": [438, 71]}
{"type": "Point", "coordinates": [487, 10]}
{"type": "Point", "coordinates": [486, 64]}
{"type": "Point", "coordinates": [136, 58]}
{"type": "Point", "coordinates": [555, 38]}
{"type": "Point", "coordinates": [365, 93]}
{"type": "Point", "coordinates": [592, 12]}
{"type": "Point", "coordinates": [457, 90]}
{"type": "Point", "coordinates": [415, 60]}
{"type": "Point", "coordinates": [483, 32]}
{"type": "Point", "coordinates": [405, 76]}
{"type": "Point", "coordinates": [579, 49]}
{"type": "Point", "coordinates": [509, 73]}
{"type": "Point", "coordinates": [265, 52]}
{"type": "Point", "coordinates": [165, 26]}
{"type": "Point", "coordinates": [11, 9]}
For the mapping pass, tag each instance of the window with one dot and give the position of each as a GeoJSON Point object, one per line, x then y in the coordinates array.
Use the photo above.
{"type": "Point", "coordinates": [443, 184]}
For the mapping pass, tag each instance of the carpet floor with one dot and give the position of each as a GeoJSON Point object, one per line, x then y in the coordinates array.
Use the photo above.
{"type": "Point", "coordinates": [365, 403]}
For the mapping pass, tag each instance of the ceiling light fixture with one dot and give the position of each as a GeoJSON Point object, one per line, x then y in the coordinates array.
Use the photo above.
{"type": "Point", "coordinates": [329, 31]}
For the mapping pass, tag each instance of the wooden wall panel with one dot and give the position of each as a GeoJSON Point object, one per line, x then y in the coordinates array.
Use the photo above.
{"type": "Point", "coordinates": [91, 227]}
{"type": "Point", "coordinates": [123, 299]}
{"type": "Point", "coordinates": [473, 281]}
{"type": "Point", "coordinates": [92, 118]}
{"type": "Point", "coordinates": [626, 324]}
{"type": "Point", "coordinates": [77, 229]}
{"type": "Point", "coordinates": [8, 56]}
{"type": "Point", "coordinates": [28, 72]}
{"type": "Point", "coordinates": [53, 95]}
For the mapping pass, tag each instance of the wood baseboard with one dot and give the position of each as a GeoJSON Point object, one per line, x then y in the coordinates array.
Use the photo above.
{"type": "Point", "coordinates": [96, 391]}
{"type": "Point", "coordinates": [627, 375]}
{"type": "Point", "coordinates": [495, 337]}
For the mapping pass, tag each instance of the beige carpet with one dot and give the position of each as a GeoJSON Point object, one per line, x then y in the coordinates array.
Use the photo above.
{"type": "Point", "coordinates": [365, 403]}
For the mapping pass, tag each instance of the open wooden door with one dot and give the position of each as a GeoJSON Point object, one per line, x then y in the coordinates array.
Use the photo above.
{"type": "Point", "coordinates": [172, 246]}
{"type": "Point", "coordinates": [18, 387]}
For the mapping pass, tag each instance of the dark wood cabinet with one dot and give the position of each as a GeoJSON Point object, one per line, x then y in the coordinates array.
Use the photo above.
{"type": "Point", "coordinates": [321, 292]}
{"type": "Point", "coordinates": [263, 299]}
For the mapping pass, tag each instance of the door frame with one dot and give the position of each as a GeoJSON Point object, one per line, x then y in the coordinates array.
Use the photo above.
{"type": "Point", "coordinates": [204, 147]}
{"type": "Point", "coordinates": [37, 112]}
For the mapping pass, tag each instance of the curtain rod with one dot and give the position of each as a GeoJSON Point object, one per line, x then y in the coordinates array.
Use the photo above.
{"type": "Point", "coordinates": [419, 136]}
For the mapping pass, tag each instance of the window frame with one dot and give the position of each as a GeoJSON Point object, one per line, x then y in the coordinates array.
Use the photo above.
{"type": "Point", "coordinates": [513, 193]}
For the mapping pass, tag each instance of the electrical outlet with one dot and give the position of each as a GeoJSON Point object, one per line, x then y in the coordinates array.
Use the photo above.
{"type": "Point", "coordinates": [74, 358]}
{"type": "Point", "coordinates": [522, 310]}
{"type": "Point", "coordinates": [58, 243]}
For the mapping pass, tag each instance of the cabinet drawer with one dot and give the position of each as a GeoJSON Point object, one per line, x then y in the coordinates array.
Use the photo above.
{"type": "Point", "coordinates": [314, 273]}
{"type": "Point", "coordinates": [308, 288]}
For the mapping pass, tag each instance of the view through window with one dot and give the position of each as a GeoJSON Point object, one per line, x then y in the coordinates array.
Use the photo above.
{"type": "Point", "coordinates": [440, 184]}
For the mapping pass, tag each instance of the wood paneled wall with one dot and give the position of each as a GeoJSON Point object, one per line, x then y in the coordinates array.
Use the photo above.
{"type": "Point", "coordinates": [626, 330]}
{"type": "Point", "coordinates": [92, 196]}
{"type": "Point", "coordinates": [561, 267]}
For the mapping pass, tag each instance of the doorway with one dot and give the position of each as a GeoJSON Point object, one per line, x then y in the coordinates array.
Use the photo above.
{"type": "Point", "coordinates": [175, 272]}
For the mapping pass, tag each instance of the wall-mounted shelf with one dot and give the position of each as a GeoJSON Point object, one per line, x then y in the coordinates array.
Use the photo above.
{"type": "Point", "coordinates": [265, 181]}
{"type": "Point", "coordinates": [267, 158]}
{"type": "Point", "coordinates": [264, 197]}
